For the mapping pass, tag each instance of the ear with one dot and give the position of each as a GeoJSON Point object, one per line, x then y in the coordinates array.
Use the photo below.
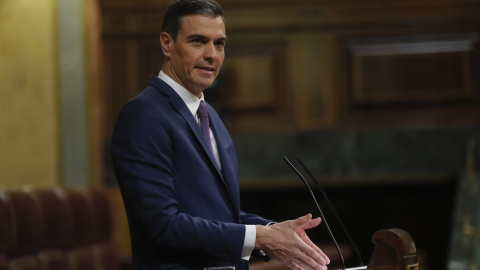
{"type": "Point", "coordinates": [166, 42]}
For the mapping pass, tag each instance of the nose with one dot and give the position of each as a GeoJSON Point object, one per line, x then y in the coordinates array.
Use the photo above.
{"type": "Point", "coordinates": [210, 53]}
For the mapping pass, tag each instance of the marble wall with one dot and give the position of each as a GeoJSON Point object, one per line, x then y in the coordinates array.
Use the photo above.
{"type": "Point", "coordinates": [29, 124]}
{"type": "Point", "coordinates": [357, 152]}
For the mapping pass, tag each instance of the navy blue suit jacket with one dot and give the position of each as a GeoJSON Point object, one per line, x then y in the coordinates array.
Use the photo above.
{"type": "Point", "coordinates": [183, 211]}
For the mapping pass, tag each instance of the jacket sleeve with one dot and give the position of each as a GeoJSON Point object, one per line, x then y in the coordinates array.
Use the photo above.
{"type": "Point", "coordinates": [252, 219]}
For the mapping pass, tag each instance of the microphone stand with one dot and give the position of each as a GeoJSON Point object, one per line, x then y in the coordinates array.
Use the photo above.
{"type": "Point", "coordinates": [319, 209]}
{"type": "Point", "coordinates": [352, 243]}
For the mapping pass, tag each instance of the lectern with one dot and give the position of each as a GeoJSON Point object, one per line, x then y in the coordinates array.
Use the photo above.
{"type": "Point", "coordinates": [394, 250]}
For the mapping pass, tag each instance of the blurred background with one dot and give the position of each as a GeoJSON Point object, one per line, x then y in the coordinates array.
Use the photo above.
{"type": "Point", "coordinates": [379, 99]}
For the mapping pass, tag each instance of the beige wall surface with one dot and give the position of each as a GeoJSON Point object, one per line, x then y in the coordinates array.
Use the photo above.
{"type": "Point", "coordinates": [29, 124]}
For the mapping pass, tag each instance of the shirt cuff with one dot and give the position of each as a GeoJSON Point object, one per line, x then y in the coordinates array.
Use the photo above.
{"type": "Point", "coordinates": [249, 242]}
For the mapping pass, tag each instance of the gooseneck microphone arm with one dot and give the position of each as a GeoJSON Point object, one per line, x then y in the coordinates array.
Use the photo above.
{"type": "Point", "coordinates": [352, 243]}
{"type": "Point", "coordinates": [319, 209]}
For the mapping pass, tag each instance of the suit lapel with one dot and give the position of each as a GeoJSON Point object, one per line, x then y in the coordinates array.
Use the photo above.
{"type": "Point", "coordinates": [179, 105]}
{"type": "Point", "coordinates": [229, 174]}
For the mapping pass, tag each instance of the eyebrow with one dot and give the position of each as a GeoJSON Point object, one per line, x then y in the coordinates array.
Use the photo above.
{"type": "Point", "coordinates": [199, 36]}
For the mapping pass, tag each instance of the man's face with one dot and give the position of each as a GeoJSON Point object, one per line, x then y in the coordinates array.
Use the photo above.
{"type": "Point", "coordinates": [194, 60]}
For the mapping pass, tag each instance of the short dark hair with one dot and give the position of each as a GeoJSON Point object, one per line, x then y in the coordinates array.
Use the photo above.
{"type": "Point", "coordinates": [172, 18]}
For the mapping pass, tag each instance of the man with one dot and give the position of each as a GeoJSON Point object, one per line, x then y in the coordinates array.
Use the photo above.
{"type": "Point", "coordinates": [180, 188]}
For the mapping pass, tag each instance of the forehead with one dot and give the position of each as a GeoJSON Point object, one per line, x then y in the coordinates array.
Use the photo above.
{"type": "Point", "coordinates": [202, 25]}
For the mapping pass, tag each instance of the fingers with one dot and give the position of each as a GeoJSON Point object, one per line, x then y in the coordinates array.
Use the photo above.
{"type": "Point", "coordinates": [313, 255]}
{"type": "Point", "coordinates": [288, 243]}
{"type": "Point", "coordinates": [312, 223]}
{"type": "Point", "coordinates": [306, 222]}
{"type": "Point", "coordinates": [302, 220]}
{"type": "Point", "coordinates": [309, 242]}
{"type": "Point", "coordinates": [305, 256]}
{"type": "Point", "coordinates": [303, 262]}
{"type": "Point", "coordinates": [306, 239]}
{"type": "Point", "coordinates": [295, 253]}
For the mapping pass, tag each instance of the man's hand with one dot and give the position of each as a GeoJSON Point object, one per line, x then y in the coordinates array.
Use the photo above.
{"type": "Point", "coordinates": [288, 243]}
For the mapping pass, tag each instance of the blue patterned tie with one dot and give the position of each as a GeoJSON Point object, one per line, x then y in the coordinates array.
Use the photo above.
{"type": "Point", "coordinates": [204, 124]}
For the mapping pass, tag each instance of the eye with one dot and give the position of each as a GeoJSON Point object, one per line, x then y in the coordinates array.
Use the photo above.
{"type": "Point", "coordinates": [196, 41]}
{"type": "Point", "coordinates": [220, 43]}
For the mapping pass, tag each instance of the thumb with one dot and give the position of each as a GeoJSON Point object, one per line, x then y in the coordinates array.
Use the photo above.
{"type": "Point", "coordinates": [301, 221]}
{"type": "Point", "coordinates": [307, 223]}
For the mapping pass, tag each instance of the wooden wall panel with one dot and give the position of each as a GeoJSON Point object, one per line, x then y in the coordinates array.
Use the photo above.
{"type": "Point", "coordinates": [312, 73]}
{"type": "Point", "coordinates": [402, 80]}
{"type": "Point", "coordinates": [318, 64]}
{"type": "Point", "coordinates": [128, 65]}
{"type": "Point", "coordinates": [255, 77]}
{"type": "Point", "coordinates": [253, 85]}
{"type": "Point", "coordinates": [413, 70]}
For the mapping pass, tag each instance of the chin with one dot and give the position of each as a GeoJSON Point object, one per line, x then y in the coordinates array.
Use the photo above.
{"type": "Point", "coordinates": [206, 85]}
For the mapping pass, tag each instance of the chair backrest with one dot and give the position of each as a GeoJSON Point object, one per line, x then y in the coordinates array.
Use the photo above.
{"type": "Point", "coordinates": [53, 259]}
{"type": "Point", "coordinates": [55, 217]}
{"type": "Point", "coordinates": [104, 256]}
{"type": "Point", "coordinates": [83, 218]}
{"type": "Point", "coordinates": [5, 226]}
{"type": "Point", "coordinates": [103, 216]}
{"type": "Point", "coordinates": [80, 259]}
{"type": "Point", "coordinates": [25, 263]}
{"type": "Point", "coordinates": [56, 229]}
{"type": "Point", "coordinates": [24, 223]}
{"type": "Point", "coordinates": [3, 262]}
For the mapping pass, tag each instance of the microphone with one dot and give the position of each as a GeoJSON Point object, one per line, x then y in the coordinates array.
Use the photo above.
{"type": "Point", "coordinates": [352, 243]}
{"type": "Point", "coordinates": [319, 209]}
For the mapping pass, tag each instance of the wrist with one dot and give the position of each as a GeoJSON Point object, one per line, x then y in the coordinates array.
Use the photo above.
{"type": "Point", "coordinates": [260, 234]}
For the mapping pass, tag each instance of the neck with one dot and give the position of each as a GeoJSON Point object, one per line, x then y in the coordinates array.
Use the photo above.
{"type": "Point", "coordinates": [166, 68]}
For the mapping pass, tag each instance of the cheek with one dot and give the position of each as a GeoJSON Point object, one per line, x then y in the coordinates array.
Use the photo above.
{"type": "Point", "coordinates": [221, 58]}
{"type": "Point", "coordinates": [191, 60]}
{"type": "Point", "coordinates": [184, 55]}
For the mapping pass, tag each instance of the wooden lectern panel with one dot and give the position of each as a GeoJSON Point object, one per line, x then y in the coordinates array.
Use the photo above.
{"type": "Point", "coordinates": [394, 250]}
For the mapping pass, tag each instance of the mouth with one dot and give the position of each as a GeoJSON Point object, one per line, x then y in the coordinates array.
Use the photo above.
{"type": "Point", "coordinates": [210, 69]}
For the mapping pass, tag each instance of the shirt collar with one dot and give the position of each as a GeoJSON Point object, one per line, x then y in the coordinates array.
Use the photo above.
{"type": "Point", "coordinates": [190, 99]}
